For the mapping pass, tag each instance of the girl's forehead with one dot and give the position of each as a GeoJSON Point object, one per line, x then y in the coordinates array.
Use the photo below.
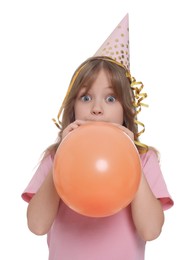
{"type": "Point", "coordinates": [88, 80]}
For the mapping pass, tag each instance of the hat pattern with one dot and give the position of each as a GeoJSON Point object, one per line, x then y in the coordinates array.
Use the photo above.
{"type": "Point", "coordinates": [116, 45]}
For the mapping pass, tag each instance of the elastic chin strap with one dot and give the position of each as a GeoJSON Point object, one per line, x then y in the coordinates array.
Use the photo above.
{"type": "Point", "coordinates": [136, 86]}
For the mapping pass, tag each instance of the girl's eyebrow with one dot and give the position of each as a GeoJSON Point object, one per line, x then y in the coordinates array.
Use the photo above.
{"type": "Point", "coordinates": [84, 90]}
{"type": "Point", "coordinates": [110, 88]}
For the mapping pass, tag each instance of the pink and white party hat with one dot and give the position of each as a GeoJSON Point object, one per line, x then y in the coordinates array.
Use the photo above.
{"type": "Point", "coordinates": [116, 45]}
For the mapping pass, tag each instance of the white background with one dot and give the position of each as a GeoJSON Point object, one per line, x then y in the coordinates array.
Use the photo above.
{"type": "Point", "coordinates": [41, 44]}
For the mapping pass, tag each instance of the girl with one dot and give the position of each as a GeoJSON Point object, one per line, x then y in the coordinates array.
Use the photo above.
{"type": "Point", "coordinates": [101, 89]}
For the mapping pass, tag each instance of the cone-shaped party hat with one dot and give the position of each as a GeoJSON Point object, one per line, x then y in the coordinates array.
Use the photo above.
{"type": "Point", "coordinates": [116, 45]}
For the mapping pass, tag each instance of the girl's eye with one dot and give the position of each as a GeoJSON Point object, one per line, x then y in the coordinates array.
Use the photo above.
{"type": "Point", "coordinates": [111, 99]}
{"type": "Point", "coordinates": [86, 98]}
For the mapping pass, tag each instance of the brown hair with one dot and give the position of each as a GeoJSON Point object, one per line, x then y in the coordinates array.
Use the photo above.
{"type": "Point", "coordinates": [84, 76]}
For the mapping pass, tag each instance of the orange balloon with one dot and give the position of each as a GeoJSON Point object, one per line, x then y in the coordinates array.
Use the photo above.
{"type": "Point", "coordinates": [97, 169]}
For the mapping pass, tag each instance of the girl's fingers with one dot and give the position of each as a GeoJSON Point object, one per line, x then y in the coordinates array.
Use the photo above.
{"type": "Point", "coordinates": [78, 123]}
{"type": "Point", "coordinates": [72, 127]}
{"type": "Point", "coordinates": [126, 130]}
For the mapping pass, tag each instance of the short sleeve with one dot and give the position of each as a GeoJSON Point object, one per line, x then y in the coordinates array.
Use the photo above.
{"type": "Point", "coordinates": [155, 179]}
{"type": "Point", "coordinates": [38, 178]}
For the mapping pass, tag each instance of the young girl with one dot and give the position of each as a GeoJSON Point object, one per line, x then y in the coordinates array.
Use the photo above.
{"type": "Point", "coordinates": [101, 89]}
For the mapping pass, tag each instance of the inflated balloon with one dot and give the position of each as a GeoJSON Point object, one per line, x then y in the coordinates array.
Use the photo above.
{"type": "Point", "coordinates": [97, 169]}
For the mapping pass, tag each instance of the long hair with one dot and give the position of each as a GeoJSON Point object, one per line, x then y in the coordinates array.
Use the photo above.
{"type": "Point", "coordinates": [84, 76]}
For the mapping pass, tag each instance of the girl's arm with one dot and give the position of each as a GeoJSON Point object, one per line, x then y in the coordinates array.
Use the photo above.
{"type": "Point", "coordinates": [43, 207]}
{"type": "Point", "coordinates": [147, 212]}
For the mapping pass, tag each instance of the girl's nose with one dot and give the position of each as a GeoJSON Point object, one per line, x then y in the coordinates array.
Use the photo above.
{"type": "Point", "coordinates": [97, 109]}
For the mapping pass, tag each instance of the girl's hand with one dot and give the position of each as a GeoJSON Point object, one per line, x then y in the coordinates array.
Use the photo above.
{"type": "Point", "coordinates": [72, 127]}
{"type": "Point", "coordinates": [125, 130]}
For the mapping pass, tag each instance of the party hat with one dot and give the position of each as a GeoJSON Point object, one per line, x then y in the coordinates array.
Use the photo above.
{"type": "Point", "coordinates": [116, 45]}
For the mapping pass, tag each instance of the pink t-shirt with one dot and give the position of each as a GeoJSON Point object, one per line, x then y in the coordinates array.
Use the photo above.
{"type": "Point", "coordinates": [77, 237]}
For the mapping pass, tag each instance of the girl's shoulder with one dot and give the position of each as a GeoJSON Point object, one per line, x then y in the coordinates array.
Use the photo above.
{"type": "Point", "coordinates": [151, 153]}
